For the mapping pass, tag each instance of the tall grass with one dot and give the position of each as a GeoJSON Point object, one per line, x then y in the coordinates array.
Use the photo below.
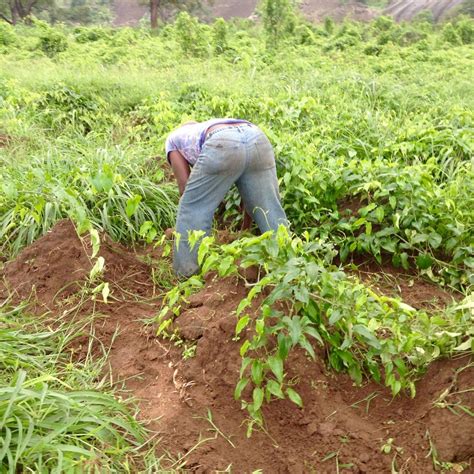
{"type": "Point", "coordinates": [57, 415]}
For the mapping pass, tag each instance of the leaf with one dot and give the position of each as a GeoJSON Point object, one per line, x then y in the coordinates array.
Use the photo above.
{"type": "Point", "coordinates": [240, 387]}
{"type": "Point", "coordinates": [244, 348]}
{"type": "Point", "coordinates": [209, 262]}
{"type": "Point", "coordinates": [312, 331]}
{"type": "Point", "coordinates": [301, 294]}
{"type": "Point", "coordinates": [102, 182]}
{"type": "Point", "coordinates": [145, 227]}
{"type": "Point", "coordinates": [434, 239]}
{"type": "Point", "coordinates": [257, 398]}
{"type": "Point", "coordinates": [98, 268]}
{"type": "Point", "coordinates": [274, 388]}
{"type": "Point", "coordinates": [105, 292]}
{"type": "Point", "coordinates": [225, 266]}
{"type": "Point", "coordinates": [336, 315]}
{"type": "Point", "coordinates": [304, 343]}
{"type": "Point", "coordinates": [283, 345]}
{"type": "Point", "coordinates": [356, 374]}
{"type": "Point", "coordinates": [242, 305]}
{"type": "Point", "coordinates": [424, 261]}
{"type": "Point", "coordinates": [294, 397]}
{"type": "Point", "coordinates": [294, 328]}
{"type": "Point", "coordinates": [246, 361]}
{"type": "Point", "coordinates": [242, 324]}
{"type": "Point", "coordinates": [276, 366]}
{"type": "Point", "coordinates": [367, 335]}
{"type": "Point", "coordinates": [466, 345]}
{"type": "Point", "coordinates": [396, 387]}
{"type": "Point", "coordinates": [389, 245]}
{"type": "Point", "coordinates": [404, 260]}
{"type": "Point", "coordinates": [95, 241]}
{"type": "Point", "coordinates": [257, 372]}
{"type": "Point", "coordinates": [132, 205]}
{"type": "Point", "coordinates": [380, 213]}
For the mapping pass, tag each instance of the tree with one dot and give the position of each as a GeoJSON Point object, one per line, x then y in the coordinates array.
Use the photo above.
{"type": "Point", "coordinates": [168, 8]}
{"type": "Point", "coordinates": [279, 18]}
{"type": "Point", "coordinates": [73, 11]}
{"type": "Point", "coordinates": [13, 11]}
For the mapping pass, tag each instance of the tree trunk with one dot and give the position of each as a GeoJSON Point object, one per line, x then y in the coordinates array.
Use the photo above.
{"type": "Point", "coordinates": [154, 5]}
{"type": "Point", "coordinates": [14, 12]}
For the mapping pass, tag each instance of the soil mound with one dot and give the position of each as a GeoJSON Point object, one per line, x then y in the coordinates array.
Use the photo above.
{"type": "Point", "coordinates": [341, 428]}
{"type": "Point", "coordinates": [57, 266]}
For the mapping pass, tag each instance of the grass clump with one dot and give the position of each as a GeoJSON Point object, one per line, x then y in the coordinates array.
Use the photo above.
{"type": "Point", "coordinates": [57, 415]}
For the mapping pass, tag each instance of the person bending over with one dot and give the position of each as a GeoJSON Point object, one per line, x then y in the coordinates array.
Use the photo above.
{"type": "Point", "coordinates": [207, 158]}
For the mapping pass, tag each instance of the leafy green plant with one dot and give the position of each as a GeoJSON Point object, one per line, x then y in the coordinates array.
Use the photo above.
{"type": "Point", "coordinates": [51, 40]}
{"type": "Point", "coordinates": [308, 301]}
{"type": "Point", "coordinates": [191, 35]}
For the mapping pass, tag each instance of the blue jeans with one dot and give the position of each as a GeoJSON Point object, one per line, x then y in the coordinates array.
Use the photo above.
{"type": "Point", "coordinates": [242, 155]}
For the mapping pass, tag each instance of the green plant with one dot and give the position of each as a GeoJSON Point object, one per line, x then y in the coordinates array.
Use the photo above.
{"type": "Point", "coordinates": [46, 429]}
{"type": "Point", "coordinates": [51, 40]}
{"type": "Point", "coordinates": [279, 19]}
{"type": "Point", "coordinates": [190, 35]}
{"type": "Point", "coordinates": [56, 414]}
{"type": "Point", "coordinates": [7, 34]}
{"type": "Point", "coordinates": [220, 36]}
{"type": "Point", "coordinates": [362, 333]}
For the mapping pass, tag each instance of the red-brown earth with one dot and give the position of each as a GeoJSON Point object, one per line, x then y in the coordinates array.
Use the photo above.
{"type": "Point", "coordinates": [342, 428]}
{"type": "Point", "coordinates": [129, 12]}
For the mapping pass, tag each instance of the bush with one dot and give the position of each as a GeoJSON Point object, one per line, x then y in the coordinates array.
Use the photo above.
{"type": "Point", "coordinates": [383, 23]}
{"type": "Point", "coordinates": [7, 34]}
{"type": "Point", "coordinates": [51, 40]}
{"type": "Point", "coordinates": [190, 35]}
{"type": "Point", "coordinates": [465, 29]}
{"type": "Point", "coordinates": [89, 35]}
{"type": "Point", "coordinates": [279, 19]}
{"type": "Point", "coordinates": [451, 35]}
{"type": "Point", "coordinates": [220, 32]}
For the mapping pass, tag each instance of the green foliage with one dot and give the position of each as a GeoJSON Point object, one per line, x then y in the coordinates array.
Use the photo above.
{"type": "Point", "coordinates": [91, 34]}
{"type": "Point", "coordinates": [279, 19]}
{"type": "Point", "coordinates": [7, 34]}
{"type": "Point", "coordinates": [372, 129]}
{"type": "Point", "coordinates": [51, 40]}
{"type": "Point", "coordinates": [191, 35]}
{"type": "Point", "coordinates": [362, 333]}
{"type": "Point", "coordinates": [52, 415]}
{"type": "Point", "coordinates": [220, 33]}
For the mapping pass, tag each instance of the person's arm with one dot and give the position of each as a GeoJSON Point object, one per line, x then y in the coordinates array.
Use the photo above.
{"type": "Point", "coordinates": [181, 169]}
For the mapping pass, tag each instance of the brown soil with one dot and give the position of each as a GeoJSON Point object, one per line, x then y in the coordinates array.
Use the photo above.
{"type": "Point", "coordinates": [128, 12]}
{"type": "Point", "coordinates": [312, 9]}
{"type": "Point", "coordinates": [399, 283]}
{"type": "Point", "coordinates": [191, 400]}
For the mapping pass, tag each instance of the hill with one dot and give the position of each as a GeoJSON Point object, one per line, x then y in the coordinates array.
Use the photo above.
{"type": "Point", "coordinates": [129, 12]}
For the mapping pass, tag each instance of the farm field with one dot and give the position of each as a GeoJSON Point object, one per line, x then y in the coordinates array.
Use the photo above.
{"type": "Point", "coordinates": [342, 345]}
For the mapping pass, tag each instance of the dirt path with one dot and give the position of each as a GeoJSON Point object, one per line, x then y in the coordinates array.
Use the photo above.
{"type": "Point", "coordinates": [341, 428]}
